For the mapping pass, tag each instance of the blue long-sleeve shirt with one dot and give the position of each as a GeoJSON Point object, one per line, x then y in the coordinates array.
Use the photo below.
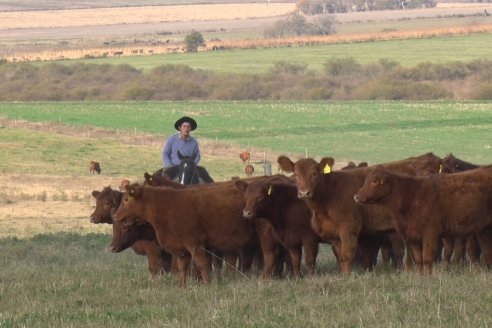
{"type": "Point", "coordinates": [187, 147]}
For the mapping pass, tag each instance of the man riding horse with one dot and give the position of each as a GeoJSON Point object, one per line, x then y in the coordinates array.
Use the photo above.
{"type": "Point", "coordinates": [182, 145]}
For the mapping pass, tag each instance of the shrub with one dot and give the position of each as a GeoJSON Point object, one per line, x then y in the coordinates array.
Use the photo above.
{"type": "Point", "coordinates": [483, 91]}
{"type": "Point", "coordinates": [400, 90]}
{"type": "Point", "coordinates": [193, 41]}
{"type": "Point", "coordinates": [137, 93]}
{"type": "Point", "coordinates": [341, 66]}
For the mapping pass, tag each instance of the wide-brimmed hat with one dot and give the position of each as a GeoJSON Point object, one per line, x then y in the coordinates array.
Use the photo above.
{"type": "Point", "coordinates": [192, 122]}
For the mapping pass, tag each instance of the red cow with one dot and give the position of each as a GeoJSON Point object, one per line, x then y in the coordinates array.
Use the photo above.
{"type": "Point", "coordinates": [289, 216]}
{"type": "Point", "coordinates": [141, 238]}
{"type": "Point", "coordinates": [107, 201]}
{"type": "Point", "coordinates": [189, 221]}
{"type": "Point", "coordinates": [123, 184]}
{"type": "Point", "coordinates": [459, 246]}
{"type": "Point", "coordinates": [245, 156]}
{"type": "Point", "coordinates": [351, 165]}
{"type": "Point", "coordinates": [94, 167]}
{"type": "Point", "coordinates": [336, 218]}
{"type": "Point", "coordinates": [269, 247]}
{"type": "Point", "coordinates": [428, 208]}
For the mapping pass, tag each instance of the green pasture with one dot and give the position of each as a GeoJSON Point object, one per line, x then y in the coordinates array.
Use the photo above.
{"type": "Point", "coordinates": [408, 52]}
{"type": "Point", "coordinates": [373, 131]}
{"type": "Point", "coordinates": [72, 280]}
{"type": "Point", "coordinates": [69, 280]}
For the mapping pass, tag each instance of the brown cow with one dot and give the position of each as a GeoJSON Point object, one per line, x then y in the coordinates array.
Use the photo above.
{"type": "Point", "coordinates": [94, 167]}
{"type": "Point", "coordinates": [458, 246]}
{"type": "Point", "coordinates": [452, 164]}
{"type": "Point", "coordinates": [141, 238]}
{"type": "Point", "coordinates": [428, 208]}
{"type": "Point", "coordinates": [123, 184]}
{"type": "Point", "coordinates": [335, 217]}
{"type": "Point", "coordinates": [190, 221]}
{"type": "Point", "coordinates": [270, 248]}
{"type": "Point", "coordinates": [107, 201]}
{"type": "Point", "coordinates": [159, 180]}
{"type": "Point", "coordinates": [351, 165]}
{"type": "Point", "coordinates": [289, 216]}
{"type": "Point", "coordinates": [245, 156]}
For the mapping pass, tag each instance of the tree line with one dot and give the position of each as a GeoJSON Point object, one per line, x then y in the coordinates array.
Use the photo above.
{"type": "Point", "coordinates": [340, 79]}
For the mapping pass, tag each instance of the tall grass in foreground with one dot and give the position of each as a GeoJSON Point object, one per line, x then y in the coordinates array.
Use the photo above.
{"type": "Point", "coordinates": [60, 280]}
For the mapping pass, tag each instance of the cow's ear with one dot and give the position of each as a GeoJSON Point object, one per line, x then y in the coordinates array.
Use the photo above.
{"type": "Point", "coordinates": [285, 163]}
{"type": "Point", "coordinates": [326, 165]}
{"type": "Point", "coordinates": [95, 193]}
{"type": "Point", "coordinates": [135, 191]}
{"type": "Point", "coordinates": [241, 185]}
{"type": "Point", "coordinates": [148, 178]}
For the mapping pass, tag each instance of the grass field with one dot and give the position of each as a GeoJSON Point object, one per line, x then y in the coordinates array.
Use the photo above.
{"type": "Point", "coordinates": [360, 131]}
{"type": "Point", "coordinates": [406, 52]}
{"type": "Point", "coordinates": [65, 279]}
{"type": "Point", "coordinates": [56, 271]}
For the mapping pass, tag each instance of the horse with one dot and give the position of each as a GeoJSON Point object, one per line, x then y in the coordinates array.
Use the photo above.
{"type": "Point", "coordinates": [187, 172]}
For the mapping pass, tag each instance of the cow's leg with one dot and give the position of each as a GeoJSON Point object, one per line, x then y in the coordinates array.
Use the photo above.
{"type": "Point", "coordinates": [230, 259]}
{"type": "Point", "coordinates": [369, 246]}
{"type": "Point", "coordinates": [416, 252]}
{"type": "Point", "coordinates": [295, 257]}
{"type": "Point", "coordinates": [448, 247]}
{"type": "Point", "coordinates": [473, 249]}
{"type": "Point", "coordinates": [410, 261]}
{"type": "Point", "coordinates": [459, 251]}
{"type": "Point", "coordinates": [270, 250]}
{"type": "Point", "coordinates": [202, 261]}
{"type": "Point", "coordinates": [397, 249]}
{"type": "Point", "coordinates": [167, 261]}
{"type": "Point", "coordinates": [430, 246]}
{"type": "Point", "coordinates": [386, 249]}
{"type": "Point", "coordinates": [348, 241]}
{"type": "Point", "coordinates": [311, 249]}
{"type": "Point", "coordinates": [217, 259]}
{"type": "Point", "coordinates": [248, 255]}
{"type": "Point", "coordinates": [182, 262]}
{"type": "Point", "coordinates": [485, 241]}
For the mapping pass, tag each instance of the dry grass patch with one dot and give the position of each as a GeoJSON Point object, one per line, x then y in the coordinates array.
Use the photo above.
{"type": "Point", "coordinates": [178, 47]}
{"type": "Point", "coordinates": [33, 204]}
{"type": "Point", "coordinates": [138, 15]}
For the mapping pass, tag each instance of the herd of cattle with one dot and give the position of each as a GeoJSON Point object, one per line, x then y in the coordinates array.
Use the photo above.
{"type": "Point", "coordinates": [426, 206]}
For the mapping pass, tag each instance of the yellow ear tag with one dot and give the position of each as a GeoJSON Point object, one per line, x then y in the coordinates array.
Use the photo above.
{"type": "Point", "coordinates": [440, 169]}
{"type": "Point", "coordinates": [269, 192]}
{"type": "Point", "coordinates": [327, 169]}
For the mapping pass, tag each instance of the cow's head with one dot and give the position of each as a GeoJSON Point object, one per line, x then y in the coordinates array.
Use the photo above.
{"type": "Point", "coordinates": [375, 188]}
{"type": "Point", "coordinates": [123, 184]}
{"type": "Point", "coordinates": [125, 236]}
{"type": "Point", "coordinates": [131, 206]}
{"type": "Point", "coordinates": [256, 195]}
{"type": "Point", "coordinates": [157, 180]}
{"type": "Point", "coordinates": [106, 200]}
{"type": "Point", "coordinates": [307, 172]}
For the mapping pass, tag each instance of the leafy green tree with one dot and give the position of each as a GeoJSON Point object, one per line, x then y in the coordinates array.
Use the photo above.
{"type": "Point", "coordinates": [193, 41]}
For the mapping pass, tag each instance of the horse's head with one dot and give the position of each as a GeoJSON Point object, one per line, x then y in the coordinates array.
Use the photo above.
{"type": "Point", "coordinates": [187, 170]}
